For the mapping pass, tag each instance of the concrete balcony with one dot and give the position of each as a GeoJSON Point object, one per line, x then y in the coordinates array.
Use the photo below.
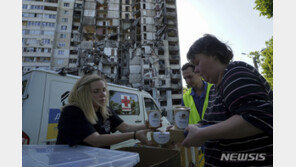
{"type": "Point", "coordinates": [174, 57]}
{"type": "Point", "coordinates": [176, 86]}
{"type": "Point", "coordinates": [34, 64]}
{"type": "Point", "coordinates": [175, 66]}
{"type": "Point", "coordinates": [171, 15]}
{"type": "Point", "coordinates": [176, 76]}
{"type": "Point", "coordinates": [173, 39]}
{"type": "Point", "coordinates": [171, 2]}
{"type": "Point", "coordinates": [173, 106]}
{"type": "Point", "coordinates": [163, 87]}
{"type": "Point", "coordinates": [171, 6]}
{"type": "Point", "coordinates": [173, 48]}
{"type": "Point", "coordinates": [50, 4]}
{"type": "Point", "coordinates": [36, 54]}
{"type": "Point", "coordinates": [162, 97]}
{"type": "Point", "coordinates": [172, 23]}
{"type": "Point", "coordinates": [177, 96]}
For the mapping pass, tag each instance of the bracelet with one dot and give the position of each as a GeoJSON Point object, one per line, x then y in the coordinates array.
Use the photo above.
{"type": "Point", "coordinates": [135, 135]}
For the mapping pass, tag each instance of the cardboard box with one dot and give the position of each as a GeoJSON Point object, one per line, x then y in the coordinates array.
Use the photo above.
{"type": "Point", "coordinates": [177, 136]}
{"type": "Point", "coordinates": [155, 157]}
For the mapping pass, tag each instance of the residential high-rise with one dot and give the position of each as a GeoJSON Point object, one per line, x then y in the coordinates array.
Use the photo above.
{"type": "Point", "coordinates": [46, 30]}
{"type": "Point", "coordinates": [157, 56]}
{"type": "Point", "coordinates": [131, 42]}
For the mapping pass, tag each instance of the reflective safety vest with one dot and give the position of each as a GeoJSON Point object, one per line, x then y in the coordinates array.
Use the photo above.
{"type": "Point", "coordinates": [194, 116]}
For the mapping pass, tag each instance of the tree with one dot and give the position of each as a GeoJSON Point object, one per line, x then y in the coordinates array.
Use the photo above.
{"type": "Point", "coordinates": [265, 7]}
{"type": "Point", "coordinates": [265, 56]}
{"type": "Point", "coordinates": [255, 55]}
{"type": "Point", "coordinates": [267, 62]}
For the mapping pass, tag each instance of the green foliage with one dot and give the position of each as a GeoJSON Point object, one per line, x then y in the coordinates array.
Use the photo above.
{"type": "Point", "coordinates": [267, 62]}
{"type": "Point", "coordinates": [255, 55]}
{"type": "Point", "coordinates": [265, 7]}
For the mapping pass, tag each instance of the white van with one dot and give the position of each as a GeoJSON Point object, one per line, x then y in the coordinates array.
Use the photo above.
{"type": "Point", "coordinates": [45, 92]}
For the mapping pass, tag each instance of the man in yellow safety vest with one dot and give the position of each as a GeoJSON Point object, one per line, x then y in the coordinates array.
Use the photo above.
{"type": "Point", "coordinates": [196, 98]}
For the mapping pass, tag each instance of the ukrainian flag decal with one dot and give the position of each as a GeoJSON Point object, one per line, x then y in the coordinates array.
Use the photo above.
{"type": "Point", "coordinates": [53, 119]}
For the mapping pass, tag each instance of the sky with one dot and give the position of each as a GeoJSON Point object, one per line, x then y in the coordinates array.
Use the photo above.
{"type": "Point", "coordinates": [231, 21]}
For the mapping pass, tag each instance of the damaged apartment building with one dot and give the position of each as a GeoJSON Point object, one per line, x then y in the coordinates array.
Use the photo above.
{"type": "Point", "coordinates": [132, 42]}
{"type": "Point", "coordinates": [46, 34]}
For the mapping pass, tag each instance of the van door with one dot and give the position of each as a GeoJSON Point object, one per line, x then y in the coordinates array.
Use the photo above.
{"type": "Point", "coordinates": [25, 96]}
{"type": "Point", "coordinates": [25, 80]}
{"type": "Point", "coordinates": [32, 102]}
{"type": "Point", "coordinates": [56, 94]}
{"type": "Point", "coordinates": [127, 106]}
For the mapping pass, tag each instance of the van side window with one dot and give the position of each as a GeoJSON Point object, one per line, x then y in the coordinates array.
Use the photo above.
{"type": "Point", "coordinates": [124, 103]}
{"type": "Point", "coordinates": [149, 104]}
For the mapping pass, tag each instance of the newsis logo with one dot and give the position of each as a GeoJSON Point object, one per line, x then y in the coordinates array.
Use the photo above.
{"type": "Point", "coordinates": [243, 157]}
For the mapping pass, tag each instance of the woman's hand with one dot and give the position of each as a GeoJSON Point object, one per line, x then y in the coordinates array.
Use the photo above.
{"type": "Point", "coordinates": [171, 127]}
{"type": "Point", "coordinates": [195, 136]}
{"type": "Point", "coordinates": [142, 136]}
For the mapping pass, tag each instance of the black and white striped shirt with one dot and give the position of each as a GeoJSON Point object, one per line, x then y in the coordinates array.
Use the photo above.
{"type": "Point", "coordinates": [243, 91]}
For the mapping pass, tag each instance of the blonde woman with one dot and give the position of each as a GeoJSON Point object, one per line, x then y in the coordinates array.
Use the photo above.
{"type": "Point", "coordinates": [86, 120]}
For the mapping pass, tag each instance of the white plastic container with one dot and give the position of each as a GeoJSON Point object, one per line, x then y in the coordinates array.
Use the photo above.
{"type": "Point", "coordinates": [154, 118]}
{"type": "Point", "coordinates": [161, 137]}
{"type": "Point", "coordinates": [181, 117]}
{"type": "Point", "coordinates": [78, 156]}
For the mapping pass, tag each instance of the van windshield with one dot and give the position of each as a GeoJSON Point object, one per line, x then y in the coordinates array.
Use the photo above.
{"type": "Point", "coordinates": [149, 104]}
{"type": "Point", "coordinates": [24, 85]}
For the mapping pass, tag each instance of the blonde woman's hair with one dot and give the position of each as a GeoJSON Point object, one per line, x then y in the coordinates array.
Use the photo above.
{"type": "Point", "coordinates": [81, 97]}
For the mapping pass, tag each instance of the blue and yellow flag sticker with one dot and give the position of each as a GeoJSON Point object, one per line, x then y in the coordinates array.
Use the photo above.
{"type": "Point", "coordinates": [52, 127]}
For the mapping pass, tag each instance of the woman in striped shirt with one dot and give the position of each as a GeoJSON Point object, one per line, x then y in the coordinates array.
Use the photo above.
{"type": "Point", "coordinates": [239, 112]}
